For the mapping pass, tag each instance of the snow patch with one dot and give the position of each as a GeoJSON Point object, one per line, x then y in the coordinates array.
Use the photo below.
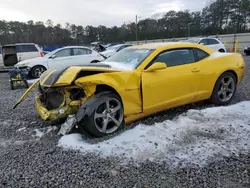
{"type": "Point", "coordinates": [39, 133]}
{"type": "Point", "coordinates": [21, 129]}
{"type": "Point", "coordinates": [43, 131]}
{"type": "Point", "coordinates": [192, 138]}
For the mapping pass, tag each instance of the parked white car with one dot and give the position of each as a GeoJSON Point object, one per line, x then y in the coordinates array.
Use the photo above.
{"type": "Point", "coordinates": [59, 58]}
{"type": "Point", "coordinates": [113, 49]}
{"type": "Point", "coordinates": [11, 54]}
{"type": "Point", "coordinates": [213, 43]}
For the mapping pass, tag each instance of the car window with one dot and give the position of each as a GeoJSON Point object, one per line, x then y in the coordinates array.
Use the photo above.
{"type": "Point", "coordinates": [200, 54]}
{"type": "Point", "coordinates": [176, 57]}
{"type": "Point", "coordinates": [212, 41]}
{"type": "Point", "coordinates": [81, 51]}
{"type": "Point", "coordinates": [26, 48]}
{"type": "Point", "coordinates": [204, 42]}
{"type": "Point", "coordinates": [63, 53]}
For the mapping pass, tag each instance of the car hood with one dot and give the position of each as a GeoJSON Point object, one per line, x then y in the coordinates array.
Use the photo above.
{"type": "Point", "coordinates": [28, 61]}
{"type": "Point", "coordinates": [65, 76]}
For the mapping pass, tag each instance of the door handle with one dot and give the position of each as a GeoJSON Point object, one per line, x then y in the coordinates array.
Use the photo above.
{"type": "Point", "coordinates": [196, 70]}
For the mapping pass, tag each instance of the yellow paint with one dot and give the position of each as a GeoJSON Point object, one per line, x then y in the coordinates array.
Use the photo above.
{"type": "Point", "coordinates": [26, 93]}
{"type": "Point", "coordinates": [145, 92]}
{"type": "Point", "coordinates": [236, 45]}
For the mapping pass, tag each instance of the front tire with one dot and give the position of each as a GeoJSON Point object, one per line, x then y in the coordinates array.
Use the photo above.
{"type": "Point", "coordinates": [106, 116]}
{"type": "Point", "coordinates": [224, 89]}
{"type": "Point", "coordinates": [222, 50]}
{"type": "Point", "coordinates": [37, 71]}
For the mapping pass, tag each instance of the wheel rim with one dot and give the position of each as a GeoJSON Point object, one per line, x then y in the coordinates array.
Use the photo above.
{"type": "Point", "coordinates": [226, 88]}
{"type": "Point", "coordinates": [38, 71]}
{"type": "Point", "coordinates": [108, 116]}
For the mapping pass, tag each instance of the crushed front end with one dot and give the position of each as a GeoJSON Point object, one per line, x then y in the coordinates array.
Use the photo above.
{"type": "Point", "coordinates": [53, 103]}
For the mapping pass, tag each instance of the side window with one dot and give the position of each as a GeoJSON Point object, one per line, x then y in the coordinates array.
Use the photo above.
{"type": "Point", "coordinates": [200, 54]}
{"type": "Point", "coordinates": [204, 42]}
{"type": "Point", "coordinates": [26, 48]}
{"type": "Point", "coordinates": [81, 51]}
{"type": "Point", "coordinates": [63, 53]}
{"type": "Point", "coordinates": [212, 41]}
{"type": "Point", "coordinates": [176, 57]}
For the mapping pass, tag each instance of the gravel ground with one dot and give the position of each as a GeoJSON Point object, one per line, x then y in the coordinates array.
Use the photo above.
{"type": "Point", "coordinates": [29, 156]}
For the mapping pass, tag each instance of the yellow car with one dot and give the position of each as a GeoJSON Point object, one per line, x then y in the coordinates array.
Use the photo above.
{"type": "Point", "coordinates": [136, 82]}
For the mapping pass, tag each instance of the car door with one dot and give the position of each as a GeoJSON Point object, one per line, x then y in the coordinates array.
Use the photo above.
{"type": "Point", "coordinates": [61, 58]}
{"type": "Point", "coordinates": [214, 44]}
{"type": "Point", "coordinates": [176, 85]}
{"type": "Point", "coordinates": [82, 56]}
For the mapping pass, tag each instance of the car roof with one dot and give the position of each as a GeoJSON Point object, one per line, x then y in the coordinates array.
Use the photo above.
{"type": "Point", "coordinates": [165, 45]}
{"type": "Point", "coordinates": [76, 47]}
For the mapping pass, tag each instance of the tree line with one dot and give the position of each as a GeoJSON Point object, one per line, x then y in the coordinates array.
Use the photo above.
{"type": "Point", "coordinates": [218, 17]}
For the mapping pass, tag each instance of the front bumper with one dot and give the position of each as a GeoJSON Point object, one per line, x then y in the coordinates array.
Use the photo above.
{"type": "Point", "coordinates": [52, 115]}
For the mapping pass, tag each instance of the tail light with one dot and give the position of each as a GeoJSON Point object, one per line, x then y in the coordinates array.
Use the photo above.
{"type": "Point", "coordinates": [42, 54]}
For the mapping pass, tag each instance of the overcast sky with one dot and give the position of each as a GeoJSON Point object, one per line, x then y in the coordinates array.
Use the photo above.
{"type": "Point", "coordinates": [91, 12]}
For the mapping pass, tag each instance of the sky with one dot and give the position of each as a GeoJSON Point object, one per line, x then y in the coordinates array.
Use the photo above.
{"type": "Point", "coordinates": [91, 12]}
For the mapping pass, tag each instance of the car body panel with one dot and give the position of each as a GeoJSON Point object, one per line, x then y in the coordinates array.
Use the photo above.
{"type": "Point", "coordinates": [143, 92]}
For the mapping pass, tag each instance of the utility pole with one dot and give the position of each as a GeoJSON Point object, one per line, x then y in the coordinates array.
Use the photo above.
{"type": "Point", "coordinates": [136, 34]}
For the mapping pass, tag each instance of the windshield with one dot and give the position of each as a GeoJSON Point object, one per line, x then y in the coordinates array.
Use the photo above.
{"type": "Point", "coordinates": [192, 40]}
{"type": "Point", "coordinates": [50, 53]}
{"type": "Point", "coordinates": [130, 58]}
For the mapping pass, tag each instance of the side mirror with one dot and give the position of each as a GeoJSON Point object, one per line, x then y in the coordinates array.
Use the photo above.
{"type": "Point", "coordinates": [157, 66]}
{"type": "Point", "coordinates": [53, 56]}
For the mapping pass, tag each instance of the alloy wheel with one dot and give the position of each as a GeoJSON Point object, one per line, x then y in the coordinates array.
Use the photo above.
{"type": "Point", "coordinates": [108, 116]}
{"type": "Point", "coordinates": [226, 88]}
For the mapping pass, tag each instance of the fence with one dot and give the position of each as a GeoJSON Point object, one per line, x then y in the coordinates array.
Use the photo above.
{"type": "Point", "coordinates": [229, 40]}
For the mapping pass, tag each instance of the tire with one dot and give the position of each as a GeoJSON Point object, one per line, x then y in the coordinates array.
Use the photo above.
{"type": "Point", "coordinates": [94, 122]}
{"type": "Point", "coordinates": [222, 50]}
{"type": "Point", "coordinates": [37, 70]}
{"type": "Point", "coordinates": [95, 61]}
{"type": "Point", "coordinates": [224, 89]}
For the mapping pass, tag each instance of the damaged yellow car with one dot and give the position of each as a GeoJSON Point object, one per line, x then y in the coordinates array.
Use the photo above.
{"type": "Point", "coordinates": [136, 82]}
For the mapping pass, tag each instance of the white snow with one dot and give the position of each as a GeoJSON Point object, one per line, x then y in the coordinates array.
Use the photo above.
{"type": "Point", "coordinates": [43, 131]}
{"type": "Point", "coordinates": [120, 66]}
{"type": "Point", "coordinates": [39, 133]}
{"type": "Point", "coordinates": [192, 138]}
{"type": "Point", "coordinates": [21, 129]}
{"type": "Point", "coordinates": [218, 54]}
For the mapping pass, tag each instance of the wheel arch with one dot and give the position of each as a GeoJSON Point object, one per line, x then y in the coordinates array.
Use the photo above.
{"type": "Point", "coordinates": [104, 87]}
{"type": "Point", "coordinates": [231, 71]}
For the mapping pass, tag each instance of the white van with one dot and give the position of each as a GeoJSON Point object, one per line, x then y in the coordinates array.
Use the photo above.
{"type": "Point", "coordinates": [11, 54]}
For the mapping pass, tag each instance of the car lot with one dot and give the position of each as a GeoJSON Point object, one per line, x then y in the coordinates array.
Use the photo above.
{"type": "Point", "coordinates": [30, 156]}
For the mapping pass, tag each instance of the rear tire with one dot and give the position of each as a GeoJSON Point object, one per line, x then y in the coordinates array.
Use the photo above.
{"type": "Point", "coordinates": [106, 116]}
{"type": "Point", "coordinates": [224, 89]}
{"type": "Point", "coordinates": [37, 71]}
{"type": "Point", "coordinates": [95, 61]}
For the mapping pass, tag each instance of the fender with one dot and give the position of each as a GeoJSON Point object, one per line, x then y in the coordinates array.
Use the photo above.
{"type": "Point", "coordinates": [87, 109]}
